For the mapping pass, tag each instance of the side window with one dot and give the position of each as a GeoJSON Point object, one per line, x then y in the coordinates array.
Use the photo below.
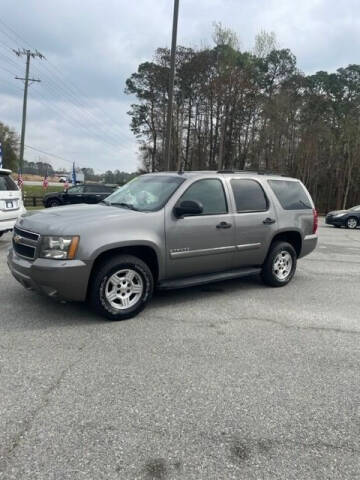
{"type": "Point", "coordinates": [93, 189]}
{"type": "Point", "coordinates": [100, 188]}
{"type": "Point", "coordinates": [249, 196]}
{"type": "Point", "coordinates": [290, 194]}
{"type": "Point", "coordinates": [76, 189]}
{"type": "Point", "coordinates": [210, 193]}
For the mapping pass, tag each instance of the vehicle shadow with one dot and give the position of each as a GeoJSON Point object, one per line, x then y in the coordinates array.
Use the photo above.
{"type": "Point", "coordinates": [38, 312]}
{"type": "Point", "coordinates": [166, 298]}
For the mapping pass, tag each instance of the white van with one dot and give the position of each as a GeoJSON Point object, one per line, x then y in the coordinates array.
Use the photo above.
{"type": "Point", "coordinates": [11, 204]}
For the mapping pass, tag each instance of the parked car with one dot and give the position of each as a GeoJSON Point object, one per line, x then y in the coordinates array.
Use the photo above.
{"type": "Point", "coordinates": [344, 218]}
{"type": "Point", "coordinates": [62, 179]}
{"type": "Point", "coordinates": [166, 230]}
{"type": "Point", "coordinates": [11, 204]}
{"type": "Point", "coordinates": [86, 193]}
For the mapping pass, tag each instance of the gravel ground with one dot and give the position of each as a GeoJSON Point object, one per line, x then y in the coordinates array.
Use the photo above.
{"type": "Point", "coordinates": [230, 381]}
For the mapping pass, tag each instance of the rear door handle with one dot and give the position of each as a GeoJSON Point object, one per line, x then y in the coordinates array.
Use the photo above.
{"type": "Point", "coordinates": [269, 221]}
{"type": "Point", "coordinates": [223, 225]}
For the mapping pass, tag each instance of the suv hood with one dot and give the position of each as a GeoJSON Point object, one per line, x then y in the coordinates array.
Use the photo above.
{"type": "Point", "coordinates": [74, 219]}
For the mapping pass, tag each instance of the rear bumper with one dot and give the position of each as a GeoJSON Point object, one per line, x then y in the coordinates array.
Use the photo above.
{"type": "Point", "coordinates": [12, 216]}
{"type": "Point", "coordinates": [63, 280]}
{"type": "Point", "coordinates": [6, 225]}
{"type": "Point", "coordinates": [308, 245]}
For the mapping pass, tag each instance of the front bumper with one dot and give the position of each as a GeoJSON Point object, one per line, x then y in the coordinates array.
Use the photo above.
{"type": "Point", "coordinates": [335, 221]}
{"type": "Point", "coordinates": [60, 279]}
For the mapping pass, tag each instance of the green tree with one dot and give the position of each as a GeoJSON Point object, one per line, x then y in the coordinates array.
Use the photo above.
{"type": "Point", "coordinates": [9, 141]}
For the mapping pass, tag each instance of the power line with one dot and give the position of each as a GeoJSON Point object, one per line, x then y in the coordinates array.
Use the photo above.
{"type": "Point", "coordinates": [73, 90]}
{"type": "Point", "coordinates": [47, 153]}
{"type": "Point", "coordinates": [91, 120]}
{"type": "Point", "coordinates": [8, 60]}
{"type": "Point", "coordinates": [70, 91]}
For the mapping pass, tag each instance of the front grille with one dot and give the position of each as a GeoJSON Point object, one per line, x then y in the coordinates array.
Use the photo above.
{"type": "Point", "coordinates": [26, 234]}
{"type": "Point", "coordinates": [25, 243]}
{"type": "Point", "coordinates": [24, 250]}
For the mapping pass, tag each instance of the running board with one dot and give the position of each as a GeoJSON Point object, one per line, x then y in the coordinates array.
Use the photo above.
{"type": "Point", "coordinates": [207, 278]}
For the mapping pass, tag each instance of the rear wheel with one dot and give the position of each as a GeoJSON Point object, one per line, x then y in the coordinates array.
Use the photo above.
{"type": "Point", "coordinates": [351, 222]}
{"type": "Point", "coordinates": [280, 265]}
{"type": "Point", "coordinates": [121, 287]}
{"type": "Point", "coordinates": [53, 203]}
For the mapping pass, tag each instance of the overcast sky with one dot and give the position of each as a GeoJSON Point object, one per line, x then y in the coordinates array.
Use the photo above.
{"type": "Point", "coordinates": [78, 111]}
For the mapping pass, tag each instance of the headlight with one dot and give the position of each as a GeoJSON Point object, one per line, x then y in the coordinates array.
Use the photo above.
{"type": "Point", "coordinates": [59, 248]}
{"type": "Point", "coordinates": [339, 215]}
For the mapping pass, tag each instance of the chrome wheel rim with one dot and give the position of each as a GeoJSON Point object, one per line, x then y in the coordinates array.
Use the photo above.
{"type": "Point", "coordinates": [124, 289]}
{"type": "Point", "coordinates": [352, 223]}
{"type": "Point", "coordinates": [282, 265]}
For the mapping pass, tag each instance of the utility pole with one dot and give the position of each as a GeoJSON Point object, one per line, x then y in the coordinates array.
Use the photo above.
{"type": "Point", "coordinates": [171, 85]}
{"type": "Point", "coordinates": [27, 81]}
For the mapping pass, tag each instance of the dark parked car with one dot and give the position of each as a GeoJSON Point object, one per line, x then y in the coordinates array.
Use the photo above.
{"type": "Point", "coordinates": [86, 193]}
{"type": "Point", "coordinates": [344, 218]}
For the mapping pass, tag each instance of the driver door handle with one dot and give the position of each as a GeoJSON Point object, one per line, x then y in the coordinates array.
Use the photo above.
{"type": "Point", "coordinates": [269, 221]}
{"type": "Point", "coordinates": [223, 225]}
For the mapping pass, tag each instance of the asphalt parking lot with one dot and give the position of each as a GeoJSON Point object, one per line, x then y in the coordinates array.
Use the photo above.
{"type": "Point", "coordinates": [230, 381]}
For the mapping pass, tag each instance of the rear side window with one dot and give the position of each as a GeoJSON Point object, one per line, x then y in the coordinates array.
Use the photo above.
{"type": "Point", "coordinates": [7, 183]}
{"type": "Point", "coordinates": [249, 196]}
{"type": "Point", "coordinates": [291, 195]}
{"type": "Point", "coordinates": [98, 189]}
{"type": "Point", "coordinates": [210, 193]}
{"type": "Point", "coordinates": [94, 189]}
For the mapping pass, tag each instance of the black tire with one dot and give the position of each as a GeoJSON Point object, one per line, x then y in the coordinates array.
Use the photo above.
{"type": "Point", "coordinates": [351, 222]}
{"type": "Point", "coordinates": [100, 281]}
{"type": "Point", "coordinates": [53, 202]}
{"type": "Point", "coordinates": [269, 273]}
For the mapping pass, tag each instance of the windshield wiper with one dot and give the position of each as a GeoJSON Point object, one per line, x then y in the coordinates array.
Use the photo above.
{"type": "Point", "coordinates": [125, 205]}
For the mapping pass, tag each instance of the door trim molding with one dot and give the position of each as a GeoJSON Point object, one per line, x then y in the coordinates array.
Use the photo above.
{"type": "Point", "coordinates": [248, 246]}
{"type": "Point", "coordinates": [187, 253]}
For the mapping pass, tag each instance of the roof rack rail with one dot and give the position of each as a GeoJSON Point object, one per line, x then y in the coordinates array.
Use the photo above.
{"type": "Point", "coordinates": [258, 172]}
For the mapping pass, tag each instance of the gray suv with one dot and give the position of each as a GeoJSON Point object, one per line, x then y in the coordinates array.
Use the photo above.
{"type": "Point", "coordinates": [166, 230]}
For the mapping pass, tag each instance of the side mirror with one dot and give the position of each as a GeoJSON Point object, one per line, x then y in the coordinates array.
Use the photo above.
{"type": "Point", "coordinates": [188, 207]}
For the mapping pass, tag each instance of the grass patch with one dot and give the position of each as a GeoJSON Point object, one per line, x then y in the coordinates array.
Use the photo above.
{"type": "Point", "coordinates": [39, 191]}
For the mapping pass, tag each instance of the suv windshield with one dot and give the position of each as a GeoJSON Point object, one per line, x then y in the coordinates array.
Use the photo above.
{"type": "Point", "coordinates": [146, 193]}
{"type": "Point", "coordinates": [7, 183]}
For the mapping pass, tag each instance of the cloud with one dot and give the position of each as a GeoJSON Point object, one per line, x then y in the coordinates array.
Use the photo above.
{"type": "Point", "coordinates": [92, 47]}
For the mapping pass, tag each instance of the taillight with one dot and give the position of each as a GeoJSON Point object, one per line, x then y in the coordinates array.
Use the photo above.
{"type": "Point", "coordinates": [316, 220]}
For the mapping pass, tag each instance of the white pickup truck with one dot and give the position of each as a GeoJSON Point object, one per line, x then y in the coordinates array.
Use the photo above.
{"type": "Point", "coordinates": [11, 204]}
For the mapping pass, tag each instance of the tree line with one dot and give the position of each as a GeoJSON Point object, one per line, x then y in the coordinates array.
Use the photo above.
{"type": "Point", "coordinates": [237, 109]}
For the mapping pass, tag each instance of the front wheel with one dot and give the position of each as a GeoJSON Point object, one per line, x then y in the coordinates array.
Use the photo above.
{"type": "Point", "coordinates": [280, 265]}
{"type": "Point", "coordinates": [351, 223]}
{"type": "Point", "coordinates": [121, 287]}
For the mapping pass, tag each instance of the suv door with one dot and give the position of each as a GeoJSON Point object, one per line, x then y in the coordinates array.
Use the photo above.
{"type": "Point", "coordinates": [255, 221]}
{"type": "Point", "coordinates": [200, 243]}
